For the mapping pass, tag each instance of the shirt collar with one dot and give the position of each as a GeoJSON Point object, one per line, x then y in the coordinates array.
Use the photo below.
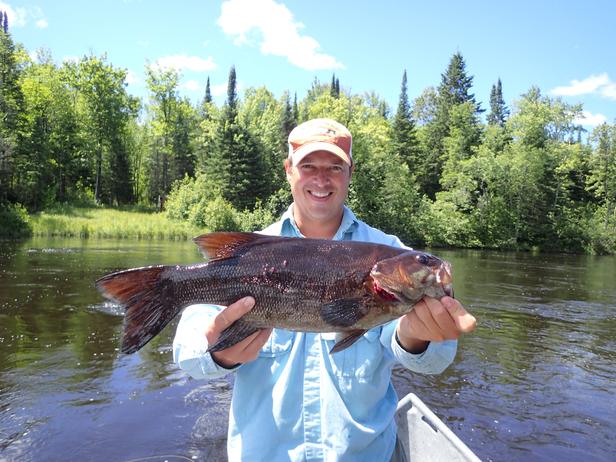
{"type": "Point", "coordinates": [347, 225]}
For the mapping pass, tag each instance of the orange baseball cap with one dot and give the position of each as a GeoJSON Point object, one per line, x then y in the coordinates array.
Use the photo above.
{"type": "Point", "coordinates": [320, 135]}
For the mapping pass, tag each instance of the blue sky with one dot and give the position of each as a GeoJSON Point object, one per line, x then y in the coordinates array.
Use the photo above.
{"type": "Point", "coordinates": [566, 48]}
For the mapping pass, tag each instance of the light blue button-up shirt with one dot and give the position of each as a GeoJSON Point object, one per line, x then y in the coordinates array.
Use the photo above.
{"type": "Point", "coordinates": [297, 401]}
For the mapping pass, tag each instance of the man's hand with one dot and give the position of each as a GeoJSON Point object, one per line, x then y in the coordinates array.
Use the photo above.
{"type": "Point", "coordinates": [433, 320]}
{"type": "Point", "coordinates": [244, 351]}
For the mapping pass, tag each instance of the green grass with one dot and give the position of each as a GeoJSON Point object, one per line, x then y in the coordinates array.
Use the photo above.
{"type": "Point", "coordinates": [101, 223]}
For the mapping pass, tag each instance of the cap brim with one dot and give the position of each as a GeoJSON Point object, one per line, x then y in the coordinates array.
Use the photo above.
{"type": "Point", "coordinates": [309, 148]}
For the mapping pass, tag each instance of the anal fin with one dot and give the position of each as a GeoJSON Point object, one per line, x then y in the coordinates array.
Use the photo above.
{"type": "Point", "coordinates": [233, 334]}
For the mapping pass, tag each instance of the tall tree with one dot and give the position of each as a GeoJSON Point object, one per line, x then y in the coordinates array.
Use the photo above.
{"type": "Point", "coordinates": [208, 93]}
{"type": "Point", "coordinates": [295, 110]}
{"type": "Point", "coordinates": [173, 127]}
{"type": "Point", "coordinates": [334, 90]}
{"type": "Point", "coordinates": [236, 164]}
{"type": "Point", "coordinates": [108, 110]}
{"type": "Point", "coordinates": [404, 142]}
{"type": "Point", "coordinates": [498, 109]}
{"type": "Point", "coordinates": [52, 165]}
{"type": "Point", "coordinates": [11, 113]}
{"type": "Point", "coordinates": [454, 90]}
{"type": "Point", "coordinates": [231, 102]}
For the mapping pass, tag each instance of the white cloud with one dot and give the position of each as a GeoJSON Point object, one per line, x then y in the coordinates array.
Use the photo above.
{"type": "Point", "coordinates": [191, 63]}
{"type": "Point", "coordinates": [17, 16]}
{"type": "Point", "coordinates": [192, 85]}
{"type": "Point", "coordinates": [609, 90]}
{"type": "Point", "coordinates": [271, 26]}
{"type": "Point", "coordinates": [218, 90]}
{"type": "Point", "coordinates": [594, 84]}
{"type": "Point", "coordinates": [582, 87]}
{"type": "Point", "coordinates": [590, 120]}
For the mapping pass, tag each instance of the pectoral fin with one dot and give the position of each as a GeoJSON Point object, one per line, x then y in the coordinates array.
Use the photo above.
{"type": "Point", "coordinates": [349, 340]}
{"type": "Point", "coordinates": [343, 312]}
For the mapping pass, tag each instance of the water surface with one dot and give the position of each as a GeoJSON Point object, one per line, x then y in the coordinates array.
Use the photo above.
{"type": "Point", "coordinates": [535, 381]}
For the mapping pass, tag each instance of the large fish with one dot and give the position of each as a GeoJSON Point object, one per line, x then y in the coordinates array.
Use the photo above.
{"type": "Point", "coordinates": [308, 285]}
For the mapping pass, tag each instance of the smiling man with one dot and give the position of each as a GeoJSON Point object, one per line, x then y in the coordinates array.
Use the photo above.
{"type": "Point", "coordinates": [292, 399]}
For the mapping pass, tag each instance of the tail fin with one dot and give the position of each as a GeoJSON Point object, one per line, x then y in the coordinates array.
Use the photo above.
{"type": "Point", "coordinates": [149, 300]}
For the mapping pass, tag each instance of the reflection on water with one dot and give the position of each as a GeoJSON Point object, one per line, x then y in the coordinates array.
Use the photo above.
{"type": "Point", "coordinates": [535, 381]}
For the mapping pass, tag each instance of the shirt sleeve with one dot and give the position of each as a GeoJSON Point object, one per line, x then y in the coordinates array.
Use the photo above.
{"type": "Point", "coordinates": [437, 357]}
{"type": "Point", "coordinates": [190, 344]}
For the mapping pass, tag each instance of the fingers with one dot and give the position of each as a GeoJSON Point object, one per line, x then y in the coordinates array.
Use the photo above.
{"type": "Point", "coordinates": [244, 351]}
{"type": "Point", "coordinates": [232, 313]}
{"type": "Point", "coordinates": [436, 320]}
{"type": "Point", "coordinates": [465, 322]}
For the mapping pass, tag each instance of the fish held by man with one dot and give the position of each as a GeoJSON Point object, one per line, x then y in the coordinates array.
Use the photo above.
{"type": "Point", "coordinates": [308, 285]}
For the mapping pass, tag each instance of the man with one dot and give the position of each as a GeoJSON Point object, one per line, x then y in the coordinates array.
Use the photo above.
{"type": "Point", "coordinates": [292, 400]}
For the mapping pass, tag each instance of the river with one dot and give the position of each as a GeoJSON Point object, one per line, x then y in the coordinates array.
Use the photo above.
{"type": "Point", "coordinates": [535, 381]}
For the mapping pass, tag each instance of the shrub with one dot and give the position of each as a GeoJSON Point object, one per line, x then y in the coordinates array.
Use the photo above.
{"type": "Point", "coordinates": [14, 221]}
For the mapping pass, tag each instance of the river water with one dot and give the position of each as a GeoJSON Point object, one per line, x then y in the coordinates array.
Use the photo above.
{"type": "Point", "coordinates": [535, 381]}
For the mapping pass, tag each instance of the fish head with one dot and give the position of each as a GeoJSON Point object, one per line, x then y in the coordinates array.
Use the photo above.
{"type": "Point", "coordinates": [410, 276]}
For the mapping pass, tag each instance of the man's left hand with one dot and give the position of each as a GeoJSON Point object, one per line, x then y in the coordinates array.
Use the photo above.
{"type": "Point", "coordinates": [433, 320]}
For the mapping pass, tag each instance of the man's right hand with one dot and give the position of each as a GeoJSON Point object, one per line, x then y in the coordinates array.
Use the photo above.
{"type": "Point", "coordinates": [242, 352]}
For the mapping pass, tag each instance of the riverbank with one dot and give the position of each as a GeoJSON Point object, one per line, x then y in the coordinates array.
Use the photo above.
{"type": "Point", "coordinates": [147, 224]}
{"type": "Point", "coordinates": [103, 223]}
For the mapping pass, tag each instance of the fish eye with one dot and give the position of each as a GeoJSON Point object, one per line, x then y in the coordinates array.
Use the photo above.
{"type": "Point", "coordinates": [423, 259]}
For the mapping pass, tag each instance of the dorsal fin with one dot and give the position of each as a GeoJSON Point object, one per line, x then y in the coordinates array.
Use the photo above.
{"type": "Point", "coordinates": [220, 245]}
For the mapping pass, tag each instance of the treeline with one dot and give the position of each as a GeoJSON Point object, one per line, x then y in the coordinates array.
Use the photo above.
{"type": "Point", "coordinates": [432, 171]}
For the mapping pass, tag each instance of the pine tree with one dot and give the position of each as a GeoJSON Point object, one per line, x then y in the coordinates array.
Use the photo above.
{"type": "Point", "coordinates": [295, 110]}
{"type": "Point", "coordinates": [208, 94]}
{"type": "Point", "coordinates": [405, 141]}
{"type": "Point", "coordinates": [498, 110]}
{"type": "Point", "coordinates": [4, 22]}
{"type": "Point", "coordinates": [454, 90]}
{"type": "Point", "coordinates": [236, 163]}
{"type": "Point", "coordinates": [334, 89]}
{"type": "Point", "coordinates": [288, 122]}
{"type": "Point", "coordinates": [231, 103]}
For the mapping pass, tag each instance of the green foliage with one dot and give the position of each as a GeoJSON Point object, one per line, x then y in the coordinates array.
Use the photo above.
{"type": "Point", "coordinates": [14, 221]}
{"type": "Point", "coordinates": [602, 232]}
{"type": "Point", "coordinates": [199, 202]}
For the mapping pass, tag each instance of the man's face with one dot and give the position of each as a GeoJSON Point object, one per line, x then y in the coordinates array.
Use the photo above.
{"type": "Point", "coordinates": [319, 184]}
